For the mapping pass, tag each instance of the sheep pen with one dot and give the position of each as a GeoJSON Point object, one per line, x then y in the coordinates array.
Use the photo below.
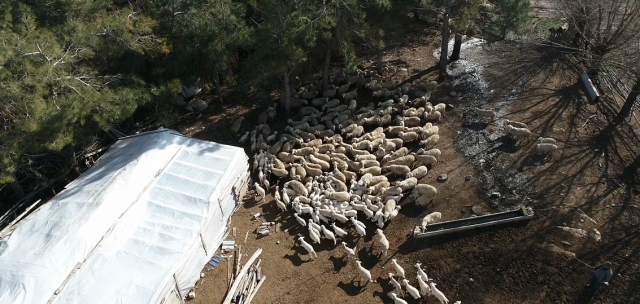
{"type": "Point", "coordinates": [333, 276]}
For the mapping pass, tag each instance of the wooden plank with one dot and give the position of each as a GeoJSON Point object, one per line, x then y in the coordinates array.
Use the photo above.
{"type": "Point", "coordinates": [255, 290]}
{"type": "Point", "coordinates": [237, 281]}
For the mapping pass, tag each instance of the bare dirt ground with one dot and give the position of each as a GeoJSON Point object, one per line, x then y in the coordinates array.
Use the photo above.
{"type": "Point", "coordinates": [507, 264]}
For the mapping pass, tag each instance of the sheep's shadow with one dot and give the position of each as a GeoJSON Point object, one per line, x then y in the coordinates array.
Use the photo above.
{"type": "Point", "coordinates": [505, 144]}
{"type": "Point", "coordinates": [296, 257]}
{"type": "Point", "coordinates": [351, 288]}
{"type": "Point", "coordinates": [339, 263]}
{"type": "Point", "coordinates": [476, 125]}
{"type": "Point", "coordinates": [385, 283]}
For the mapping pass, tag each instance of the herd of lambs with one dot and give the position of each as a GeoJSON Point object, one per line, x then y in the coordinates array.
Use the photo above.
{"type": "Point", "coordinates": [332, 182]}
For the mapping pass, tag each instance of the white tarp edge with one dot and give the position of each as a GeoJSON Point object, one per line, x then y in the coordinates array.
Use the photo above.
{"type": "Point", "coordinates": [135, 224]}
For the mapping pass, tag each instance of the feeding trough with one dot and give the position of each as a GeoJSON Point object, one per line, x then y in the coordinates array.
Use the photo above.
{"type": "Point", "coordinates": [521, 214]}
{"type": "Point", "coordinates": [590, 89]}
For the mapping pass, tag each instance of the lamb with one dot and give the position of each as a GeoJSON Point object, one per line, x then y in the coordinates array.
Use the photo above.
{"type": "Point", "coordinates": [308, 247]}
{"type": "Point", "coordinates": [281, 205]}
{"type": "Point", "coordinates": [395, 299]}
{"type": "Point", "coordinates": [411, 121]}
{"type": "Point", "coordinates": [272, 111]}
{"type": "Point", "coordinates": [364, 273]}
{"type": "Point", "coordinates": [418, 172]}
{"type": "Point", "coordinates": [431, 218]}
{"type": "Point", "coordinates": [350, 95]}
{"type": "Point", "coordinates": [424, 287]}
{"type": "Point", "coordinates": [382, 240]}
{"type": "Point", "coordinates": [338, 109]}
{"type": "Point", "coordinates": [244, 137]}
{"type": "Point", "coordinates": [515, 124]}
{"type": "Point", "coordinates": [438, 294]}
{"type": "Point", "coordinates": [408, 136]}
{"type": "Point", "coordinates": [412, 290]}
{"type": "Point", "coordinates": [518, 132]}
{"type": "Point", "coordinates": [395, 284]}
{"type": "Point", "coordinates": [350, 252]}
{"type": "Point", "coordinates": [546, 140]}
{"type": "Point", "coordinates": [352, 104]}
{"type": "Point", "coordinates": [545, 148]}
{"type": "Point", "coordinates": [343, 88]}
{"type": "Point", "coordinates": [426, 159]}
{"type": "Point", "coordinates": [260, 192]}
{"type": "Point", "coordinates": [421, 274]}
{"type": "Point", "coordinates": [398, 169]}
{"type": "Point", "coordinates": [366, 163]}
{"type": "Point", "coordinates": [485, 114]}
{"type": "Point", "coordinates": [407, 184]}
{"type": "Point", "coordinates": [396, 266]}
{"type": "Point", "coordinates": [235, 127]}
{"type": "Point", "coordinates": [435, 152]}
{"type": "Point", "coordinates": [300, 220]}
{"type": "Point", "coordinates": [361, 158]}
{"type": "Point", "coordinates": [323, 164]}
{"type": "Point", "coordinates": [264, 115]}
{"type": "Point", "coordinates": [330, 93]}
{"type": "Point", "coordinates": [430, 142]}
{"type": "Point", "coordinates": [328, 234]}
{"type": "Point", "coordinates": [441, 107]}
{"type": "Point", "coordinates": [377, 187]}
{"type": "Point", "coordinates": [394, 130]}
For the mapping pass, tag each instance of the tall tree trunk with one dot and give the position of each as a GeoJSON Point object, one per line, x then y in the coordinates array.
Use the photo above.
{"type": "Point", "coordinates": [17, 188]}
{"type": "Point", "coordinates": [380, 62]}
{"type": "Point", "coordinates": [287, 92]}
{"type": "Point", "coordinates": [629, 102]}
{"type": "Point", "coordinates": [218, 84]}
{"type": "Point", "coordinates": [325, 67]}
{"type": "Point", "coordinates": [631, 170]}
{"type": "Point", "coordinates": [457, 46]}
{"type": "Point", "coordinates": [444, 50]}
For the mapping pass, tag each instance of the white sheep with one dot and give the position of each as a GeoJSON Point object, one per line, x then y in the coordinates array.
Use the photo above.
{"type": "Point", "coordinates": [486, 114]}
{"type": "Point", "coordinates": [438, 294]}
{"type": "Point", "coordinates": [364, 273]}
{"type": "Point", "coordinates": [518, 132]}
{"type": "Point", "coordinates": [408, 183]}
{"type": "Point", "coordinates": [426, 159]}
{"type": "Point", "coordinates": [431, 218]}
{"type": "Point", "coordinates": [308, 247]}
{"type": "Point", "coordinates": [418, 172]}
{"type": "Point", "coordinates": [430, 142]}
{"type": "Point", "coordinates": [300, 220]}
{"type": "Point", "coordinates": [398, 268]}
{"type": "Point", "coordinates": [515, 124]}
{"type": "Point", "coordinates": [397, 169]}
{"type": "Point", "coordinates": [433, 116]}
{"type": "Point", "coordinates": [382, 240]}
{"type": "Point", "coordinates": [412, 290]}
{"type": "Point", "coordinates": [546, 148]}
{"type": "Point", "coordinates": [546, 140]}
{"type": "Point", "coordinates": [406, 160]}
{"type": "Point", "coordinates": [396, 300]}
{"type": "Point", "coordinates": [281, 205]}
{"type": "Point", "coordinates": [350, 95]}
{"type": "Point", "coordinates": [339, 231]}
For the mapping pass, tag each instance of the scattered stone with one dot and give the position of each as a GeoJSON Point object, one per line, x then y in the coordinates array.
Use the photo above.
{"type": "Point", "coordinates": [199, 104]}
{"type": "Point", "coordinates": [450, 107]}
{"type": "Point", "coordinates": [556, 249]}
{"type": "Point", "coordinates": [565, 243]}
{"type": "Point", "coordinates": [580, 233]}
{"type": "Point", "coordinates": [470, 279]}
{"type": "Point", "coordinates": [278, 242]}
{"type": "Point", "coordinates": [495, 194]}
{"type": "Point", "coordinates": [467, 178]}
{"type": "Point", "coordinates": [595, 235]}
{"type": "Point", "coordinates": [202, 275]}
{"type": "Point", "coordinates": [191, 295]}
{"type": "Point", "coordinates": [180, 101]}
{"type": "Point", "coordinates": [478, 210]}
{"type": "Point", "coordinates": [189, 108]}
{"type": "Point", "coordinates": [443, 177]}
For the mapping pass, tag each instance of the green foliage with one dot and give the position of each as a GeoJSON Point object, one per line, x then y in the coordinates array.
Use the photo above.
{"type": "Point", "coordinates": [508, 16]}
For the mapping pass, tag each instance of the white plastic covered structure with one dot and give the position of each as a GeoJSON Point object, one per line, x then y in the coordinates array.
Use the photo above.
{"type": "Point", "coordinates": [137, 227]}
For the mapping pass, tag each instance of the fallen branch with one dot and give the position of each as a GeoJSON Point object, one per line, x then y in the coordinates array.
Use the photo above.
{"type": "Point", "coordinates": [592, 116]}
{"type": "Point", "coordinates": [240, 276]}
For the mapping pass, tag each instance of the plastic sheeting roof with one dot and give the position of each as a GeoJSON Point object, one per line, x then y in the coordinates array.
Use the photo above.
{"type": "Point", "coordinates": [135, 228]}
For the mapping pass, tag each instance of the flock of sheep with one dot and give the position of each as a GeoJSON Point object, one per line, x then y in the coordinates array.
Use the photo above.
{"type": "Point", "coordinates": [333, 183]}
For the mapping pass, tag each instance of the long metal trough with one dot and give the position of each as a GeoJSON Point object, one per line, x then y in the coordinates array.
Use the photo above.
{"type": "Point", "coordinates": [517, 215]}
